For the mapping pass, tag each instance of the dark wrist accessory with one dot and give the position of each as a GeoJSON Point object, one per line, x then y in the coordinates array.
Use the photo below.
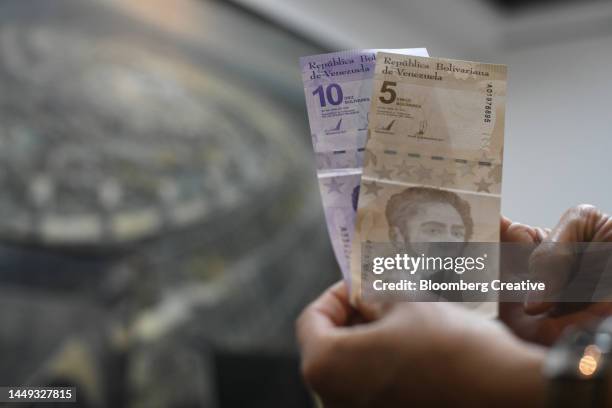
{"type": "Point", "coordinates": [578, 368]}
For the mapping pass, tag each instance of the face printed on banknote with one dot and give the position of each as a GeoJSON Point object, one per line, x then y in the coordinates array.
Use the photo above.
{"type": "Point", "coordinates": [338, 87]}
{"type": "Point", "coordinates": [422, 215]}
{"type": "Point", "coordinates": [433, 158]}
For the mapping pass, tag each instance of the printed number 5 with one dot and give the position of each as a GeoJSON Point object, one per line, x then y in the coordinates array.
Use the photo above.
{"type": "Point", "coordinates": [386, 88]}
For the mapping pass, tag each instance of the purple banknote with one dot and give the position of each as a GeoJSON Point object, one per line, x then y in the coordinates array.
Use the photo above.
{"type": "Point", "coordinates": [338, 87]}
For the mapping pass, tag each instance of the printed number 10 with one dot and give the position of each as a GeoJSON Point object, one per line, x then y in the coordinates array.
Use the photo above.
{"type": "Point", "coordinates": [333, 98]}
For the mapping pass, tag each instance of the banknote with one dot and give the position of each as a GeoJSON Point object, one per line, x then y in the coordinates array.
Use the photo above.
{"type": "Point", "coordinates": [433, 160]}
{"type": "Point", "coordinates": [338, 87]}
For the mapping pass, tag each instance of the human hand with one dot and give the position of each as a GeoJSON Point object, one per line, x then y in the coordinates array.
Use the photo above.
{"type": "Point", "coordinates": [539, 321]}
{"type": "Point", "coordinates": [418, 354]}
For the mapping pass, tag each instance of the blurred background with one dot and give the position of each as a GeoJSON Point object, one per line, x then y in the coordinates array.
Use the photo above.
{"type": "Point", "coordinates": [161, 226]}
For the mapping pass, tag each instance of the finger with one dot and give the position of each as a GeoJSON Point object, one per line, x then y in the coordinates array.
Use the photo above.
{"type": "Point", "coordinates": [553, 260]}
{"type": "Point", "coordinates": [583, 223]}
{"type": "Point", "coordinates": [542, 234]}
{"type": "Point", "coordinates": [517, 232]}
{"type": "Point", "coordinates": [316, 329]}
{"type": "Point", "coordinates": [371, 312]}
{"type": "Point", "coordinates": [328, 312]}
{"type": "Point", "coordinates": [551, 263]}
{"type": "Point", "coordinates": [504, 224]}
{"type": "Point", "coordinates": [327, 344]}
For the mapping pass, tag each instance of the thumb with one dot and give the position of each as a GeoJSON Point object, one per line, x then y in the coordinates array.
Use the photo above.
{"type": "Point", "coordinates": [553, 261]}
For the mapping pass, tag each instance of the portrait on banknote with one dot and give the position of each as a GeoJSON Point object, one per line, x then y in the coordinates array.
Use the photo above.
{"type": "Point", "coordinates": [425, 214]}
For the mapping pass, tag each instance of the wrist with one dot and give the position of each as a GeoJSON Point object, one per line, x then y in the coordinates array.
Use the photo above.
{"type": "Point", "coordinates": [502, 371]}
{"type": "Point", "coordinates": [523, 383]}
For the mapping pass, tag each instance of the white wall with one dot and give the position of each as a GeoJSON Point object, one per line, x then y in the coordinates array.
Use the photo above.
{"type": "Point", "coordinates": [558, 148]}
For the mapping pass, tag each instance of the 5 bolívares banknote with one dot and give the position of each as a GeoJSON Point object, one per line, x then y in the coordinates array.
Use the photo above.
{"type": "Point", "coordinates": [338, 87]}
{"type": "Point", "coordinates": [433, 159]}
